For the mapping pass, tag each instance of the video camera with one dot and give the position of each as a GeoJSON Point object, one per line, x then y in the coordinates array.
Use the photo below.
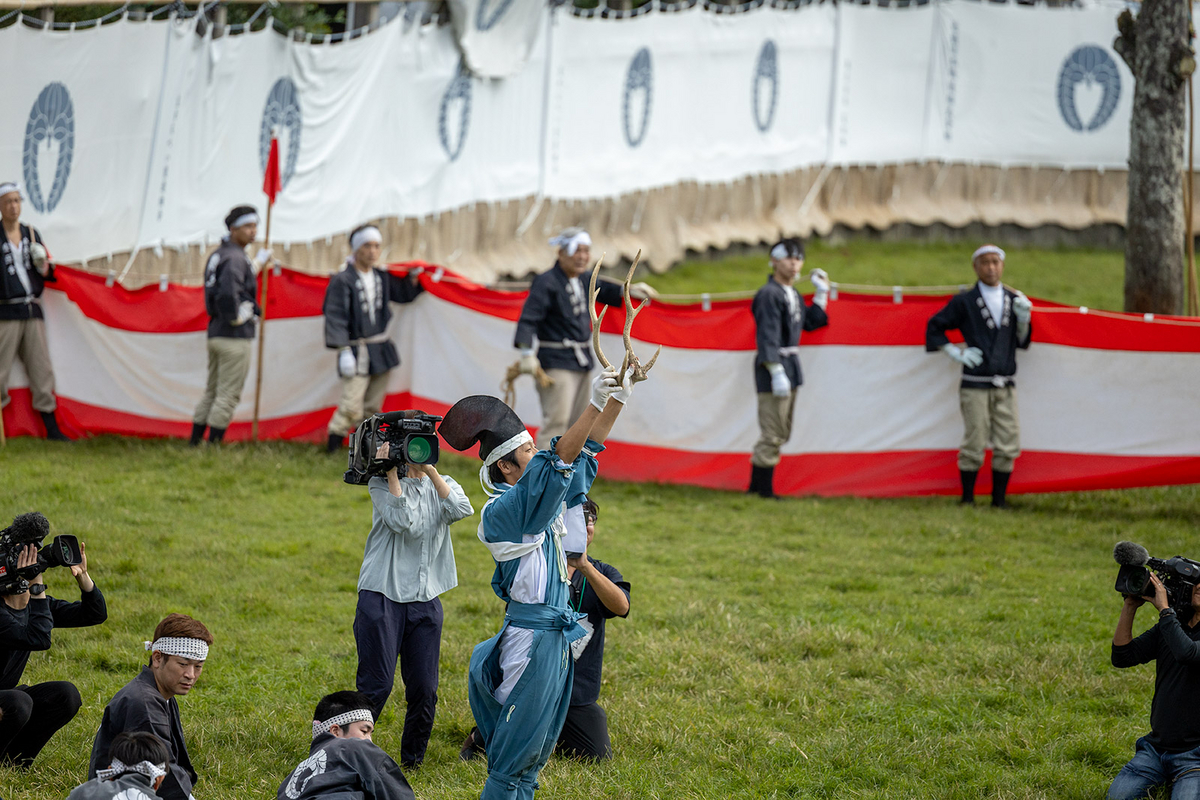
{"type": "Point", "coordinates": [1178, 574]}
{"type": "Point", "coordinates": [31, 529]}
{"type": "Point", "coordinates": [411, 436]}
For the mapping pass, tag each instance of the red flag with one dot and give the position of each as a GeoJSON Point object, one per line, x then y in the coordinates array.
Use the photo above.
{"type": "Point", "coordinates": [271, 183]}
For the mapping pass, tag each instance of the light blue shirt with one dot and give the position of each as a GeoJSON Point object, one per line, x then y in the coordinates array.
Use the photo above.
{"type": "Point", "coordinates": [409, 557]}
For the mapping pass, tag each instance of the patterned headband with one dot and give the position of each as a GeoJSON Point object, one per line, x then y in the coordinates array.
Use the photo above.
{"type": "Point", "coordinates": [118, 768]}
{"type": "Point", "coordinates": [7, 187]}
{"type": "Point", "coordinates": [195, 649]}
{"type": "Point", "coordinates": [571, 243]}
{"type": "Point", "coordinates": [342, 720]}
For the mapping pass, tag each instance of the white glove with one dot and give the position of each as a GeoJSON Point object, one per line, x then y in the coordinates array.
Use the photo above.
{"type": "Point", "coordinates": [642, 291]}
{"type": "Point", "coordinates": [245, 312]}
{"type": "Point", "coordinates": [37, 254]}
{"type": "Point", "coordinates": [528, 363]}
{"type": "Point", "coordinates": [263, 258]}
{"type": "Point", "coordinates": [820, 280]}
{"type": "Point", "coordinates": [347, 363]}
{"type": "Point", "coordinates": [623, 394]}
{"type": "Point", "coordinates": [781, 385]}
{"type": "Point", "coordinates": [1022, 308]}
{"type": "Point", "coordinates": [969, 357]}
{"type": "Point", "coordinates": [603, 387]}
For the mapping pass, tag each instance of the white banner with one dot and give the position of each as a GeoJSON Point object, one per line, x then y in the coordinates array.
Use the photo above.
{"type": "Point", "coordinates": [496, 36]}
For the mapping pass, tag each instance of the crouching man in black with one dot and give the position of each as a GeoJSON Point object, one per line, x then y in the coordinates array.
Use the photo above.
{"type": "Point", "coordinates": [32, 714]}
{"type": "Point", "coordinates": [1169, 755]}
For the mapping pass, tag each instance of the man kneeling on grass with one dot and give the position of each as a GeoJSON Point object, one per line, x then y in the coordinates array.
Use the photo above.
{"type": "Point", "coordinates": [343, 762]}
{"type": "Point", "coordinates": [137, 767]}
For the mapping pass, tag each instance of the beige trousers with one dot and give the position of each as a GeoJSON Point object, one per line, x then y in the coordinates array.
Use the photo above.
{"type": "Point", "coordinates": [26, 339]}
{"type": "Point", "coordinates": [563, 402]}
{"type": "Point", "coordinates": [989, 414]}
{"type": "Point", "coordinates": [362, 396]}
{"type": "Point", "coordinates": [775, 427]}
{"type": "Point", "coordinates": [228, 364]}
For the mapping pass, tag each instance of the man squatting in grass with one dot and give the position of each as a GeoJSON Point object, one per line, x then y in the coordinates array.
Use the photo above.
{"type": "Point", "coordinates": [556, 313]}
{"type": "Point", "coordinates": [147, 703]}
{"type": "Point", "coordinates": [1169, 755]}
{"type": "Point", "coordinates": [994, 320]}
{"type": "Point", "coordinates": [230, 290]}
{"type": "Point", "coordinates": [357, 316]}
{"type": "Point", "coordinates": [343, 762]}
{"type": "Point", "coordinates": [408, 562]}
{"type": "Point", "coordinates": [30, 715]}
{"type": "Point", "coordinates": [137, 766]}
{"type": "Point", "coordinates": [520, 679]}
{"type": "Point", "coordinates": [25, 269]}
{"type": "Point", "coordinates": [780, 316]}
{"type": "Point", "coordinates": [598, 590]}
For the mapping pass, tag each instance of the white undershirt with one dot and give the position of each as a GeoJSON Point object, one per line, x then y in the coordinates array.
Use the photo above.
{"type": "Point", "coordinates": [993, 298]}
{"type": "Point", "coordinates": [18, 252]}
{"type": "Point", "coordinates": [369, 281]}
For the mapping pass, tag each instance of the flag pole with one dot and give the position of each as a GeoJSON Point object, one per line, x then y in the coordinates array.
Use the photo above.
{"type": "Point", "coordinates": [271, 187]}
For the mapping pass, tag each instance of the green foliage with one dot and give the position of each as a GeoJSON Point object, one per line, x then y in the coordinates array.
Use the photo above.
{"type": "Point", "coordinates": [804, 648]}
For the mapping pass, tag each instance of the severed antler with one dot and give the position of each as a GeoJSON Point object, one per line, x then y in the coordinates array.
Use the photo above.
{"type": "Point", "coordinates": [631, 360]}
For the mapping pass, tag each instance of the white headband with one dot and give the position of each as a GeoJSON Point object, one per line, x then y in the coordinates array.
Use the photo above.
{"type": "Point", "coordinates": [244, 219]}
{"type": "Point", "coordinates": [571, 243]}
{"type": "Point", "coordinates": [358, 715]}
{"type": "Point", "coordinates": [9, 186]}
{"type": "Point", "coordinates": [987, 248]}
{"type": "Point", "coordinates": [367, 234]}
{"type": "Point", "coordinates": [118, 768]}
{"type": "Point", "coordinates": [196, 649]}
{"type": "Point", "coordinates": [503, 449]}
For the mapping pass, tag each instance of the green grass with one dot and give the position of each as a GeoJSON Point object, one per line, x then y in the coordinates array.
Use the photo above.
{"type": "Point", "coordinates": [1086, 277]}
{"type": "Point", "coordinates": [806, 648]}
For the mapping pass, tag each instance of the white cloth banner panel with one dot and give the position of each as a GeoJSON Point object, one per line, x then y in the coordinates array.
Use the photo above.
{"type": "Point", "coordinates": [881, 87]}
{"type": "Point", "coordinates": [1018, 84]}
{"type": "Point", "coordinates": [685, 96]}
{"type": "Point", "coordinates": [496, 36]}
{"type": "Point", "coordinates": [76, 144]}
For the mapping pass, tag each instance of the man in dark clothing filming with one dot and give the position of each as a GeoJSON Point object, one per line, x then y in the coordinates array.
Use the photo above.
{"type": "Point", "coordinates": [1170, 753]}
{"type": "Point", "coordinates": [33, 714]}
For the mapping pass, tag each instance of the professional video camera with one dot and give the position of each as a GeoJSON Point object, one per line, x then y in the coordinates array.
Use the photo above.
{"type": "Point", "coordinates": [1178, 574]}
{"type": "Point", "coordinates": [412, 437]}
{"type": "Point", "coordinates": [31, 529]}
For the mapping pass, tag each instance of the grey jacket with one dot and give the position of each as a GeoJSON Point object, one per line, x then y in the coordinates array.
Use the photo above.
{"type": "Point", "coordinates": [134, 785]}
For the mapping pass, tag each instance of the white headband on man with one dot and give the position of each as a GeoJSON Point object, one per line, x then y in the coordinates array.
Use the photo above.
{"type": "Point", "coordinates": [367, 234]}
{"type": "Point", "coordinates": [9, 186]}
{"type": "Point", "coordinates": [342, 720]}
{"type": "Point", "coordinates": [244, 219]}
{"type": "Point", "coordinates": [501, 450]}
{"type": "Point", "coordinates": [985, 250]}
{"type": "Point", "coordinates": [195, 649]}
{"type": "Point", "coordinates": [119, 768]}
{"type": "Point", "coordinates": [571, 242]}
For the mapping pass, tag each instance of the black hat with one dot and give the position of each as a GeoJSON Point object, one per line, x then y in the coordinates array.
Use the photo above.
{"type": "Point", "coordinates": [480, 418]}
{"type": "Point", "coordinates": [236, 213]}
{"type": "Point", "coordinates": [788, 248]}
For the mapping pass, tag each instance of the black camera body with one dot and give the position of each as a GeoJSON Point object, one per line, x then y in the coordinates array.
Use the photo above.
{"type": "Point", "coordinates": [411, 436]}
{"type": "Point", "coordinates": [31, 529]}
{"type": "Point", "coordinates": [1179, 575]}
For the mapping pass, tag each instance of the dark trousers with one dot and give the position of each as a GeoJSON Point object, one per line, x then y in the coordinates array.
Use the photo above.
{"type": "Point", "coordinates": [32, 714]}
{"type": "Point", "coordinates": [585, 734]}
{"type": "Point", "coordinates": [385, 630]}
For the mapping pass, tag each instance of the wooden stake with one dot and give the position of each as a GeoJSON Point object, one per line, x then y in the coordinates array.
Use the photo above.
{"type": "Point", "coordinates": [262, 326]}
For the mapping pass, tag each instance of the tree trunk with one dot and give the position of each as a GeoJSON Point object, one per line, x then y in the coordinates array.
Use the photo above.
{"type": "Point", "coordinates": [1155, 45]}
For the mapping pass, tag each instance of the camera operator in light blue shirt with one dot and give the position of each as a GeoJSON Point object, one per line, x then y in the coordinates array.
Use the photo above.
{"type": "Point", "coordinates": [409, 561]}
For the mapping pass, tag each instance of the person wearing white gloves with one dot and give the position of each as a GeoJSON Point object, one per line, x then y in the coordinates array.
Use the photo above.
{"type": "Point", "coordinates": [357, 315]}
{"type": "Point", "coordinates": [230, 298]}
{"type": "Point", "coordinates": [780, 315]}
{"type": "Point", "coordinates": [556, 313]}
{"type": "Point", "coordinates": [994, 321]}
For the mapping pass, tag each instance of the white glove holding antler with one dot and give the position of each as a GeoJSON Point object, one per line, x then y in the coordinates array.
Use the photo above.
{"type": "Point", "coordinates": [347, 363]}
{"type": "Point", "coordinates": [969, 357]}
{"type": "Point", "coordinates": [623, 394]}
{"type": "Point", "coordinates": [820, 281]}
{"type": "Point", "coordinates": [528, 363]}
{"type": "Point", "coordinates": [781, 385]}
{"type": "Point", "coordinates": [604, 386]}
{"type": "Point", "coordinates": [1022, 308]}
{"type": "Point", "coordinates": [642, 291]}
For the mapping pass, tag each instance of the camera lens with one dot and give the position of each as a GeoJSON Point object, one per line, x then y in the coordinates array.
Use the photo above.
{"type": "Point", "coordinates": [418, 450]}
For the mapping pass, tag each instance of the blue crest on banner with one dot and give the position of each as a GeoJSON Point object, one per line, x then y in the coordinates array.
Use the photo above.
{"type": "Point", "coordinates": [766, 70]}
{"type": "Point", "coordinates": [639, 78]}
{"type": "Point", "coordinates": [1088, 65]}
{"type": "Point", "coordinates": [484, 20]}
{"type": "Point", "coordinates": [459, 89]}
{"type": "Point", "coordinates": [52, 119]}
{"type": "Point", "coordinates": [282, 111]}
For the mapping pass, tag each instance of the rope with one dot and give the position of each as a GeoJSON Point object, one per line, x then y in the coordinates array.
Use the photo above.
{"type": "Point", "coordinates": [510, 381]}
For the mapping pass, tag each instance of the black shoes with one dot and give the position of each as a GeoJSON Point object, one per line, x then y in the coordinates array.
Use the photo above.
{"type": "Point", "coordinates": [334, 444]}
{"type": "Point", "coordinates": [968, 486]}
{"type": "Point", "coordinates": [472, 746]}
{"type": "Point", "coordinates": [999, 488]}
{"type": "Point", "coordinates": [762, 481]}
{"type": "Point", "coordinates": [53, 434]}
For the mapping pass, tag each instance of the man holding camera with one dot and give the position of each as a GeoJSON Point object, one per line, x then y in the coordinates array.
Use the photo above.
{"type": "Point", "coordinates": [33, 714]}
{"type": "Point", "coordinates": [408, 562]}
{"type": "Point", "coordinates": [357, 316]}
{"type": "Point", "coordinates": [1170, 753]}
